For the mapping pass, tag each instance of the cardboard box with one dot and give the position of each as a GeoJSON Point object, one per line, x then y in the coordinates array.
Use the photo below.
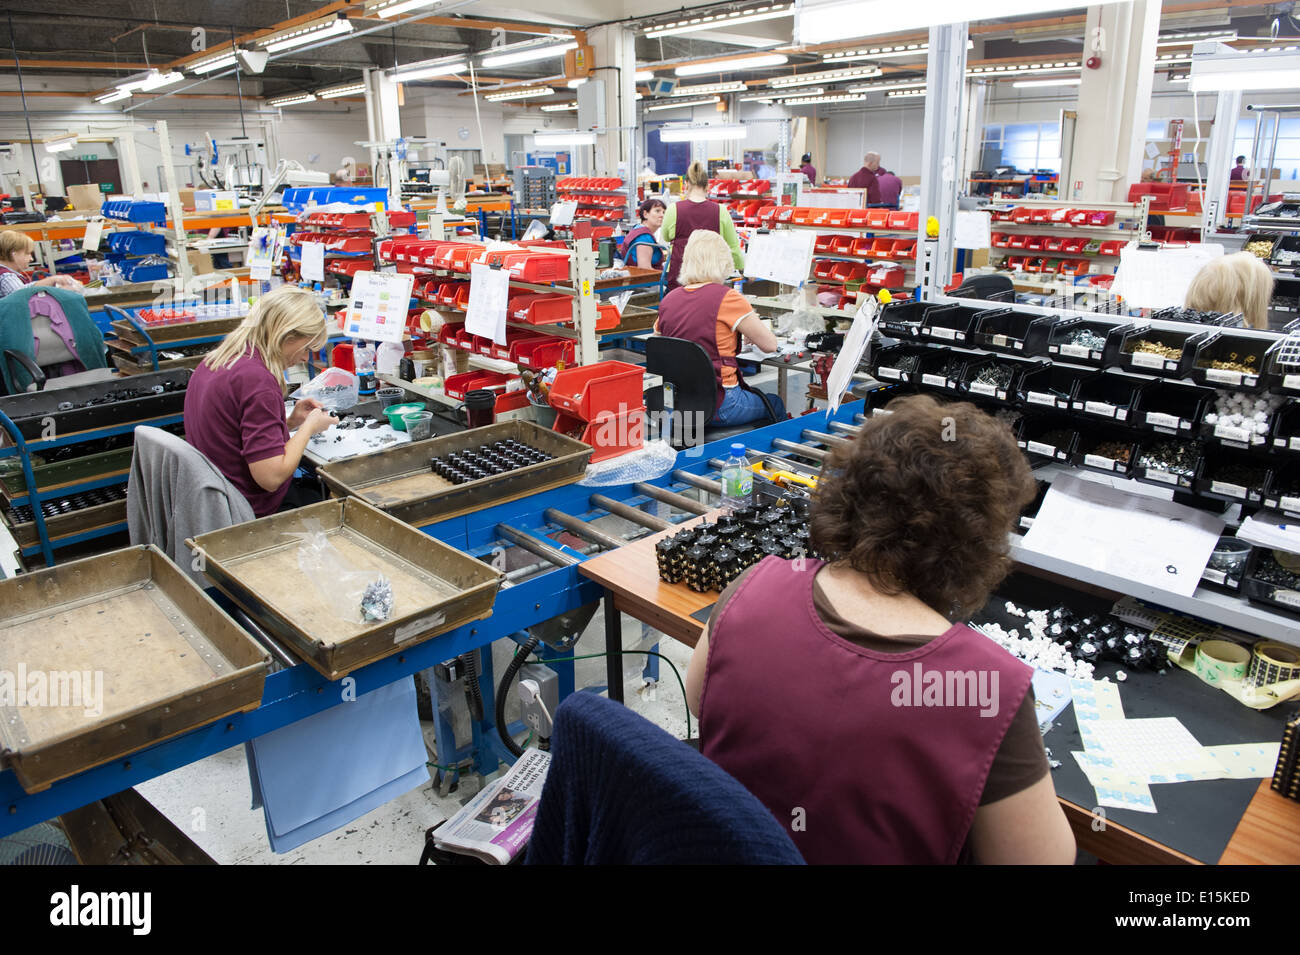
{"type": "Point", "coordinates": [187, 199]}
{"type": "Point", "coordinates": [200, 262]}
{"type": "Point", "coordinates": [213, 200]}
{"type": "Point", "coordinates": [87, 198]}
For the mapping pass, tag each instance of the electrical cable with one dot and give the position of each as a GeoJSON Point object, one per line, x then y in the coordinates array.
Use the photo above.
{"type": "Point", "coordinates": [507, 679]}
{"type": "Point", "coordinates": [31, 141]}
{"type": "Point", "coordinates": [1200, 186]}
{"type": "Point", "coordinates": [473, 692]}
{"type": "Point", "coordinates": [649, 653]}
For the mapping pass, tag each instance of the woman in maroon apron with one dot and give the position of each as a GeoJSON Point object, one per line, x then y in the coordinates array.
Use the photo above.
{"type": "Point", "coordinates": [849, 696]}
{"type": "Point", "coordinates": [639, 247]}
{"type": "Point", "coordinates": [694, 211]}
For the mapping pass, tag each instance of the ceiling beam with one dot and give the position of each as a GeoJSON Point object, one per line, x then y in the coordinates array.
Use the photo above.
{"type": "Point", "coordinates": [83, 65]}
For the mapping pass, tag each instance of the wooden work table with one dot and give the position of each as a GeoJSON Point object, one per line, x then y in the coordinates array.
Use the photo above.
{"type": "Point", "coordinates": [1268, 833]}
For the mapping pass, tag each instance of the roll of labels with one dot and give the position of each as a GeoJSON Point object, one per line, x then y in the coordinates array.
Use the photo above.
{"type": "Point", "coordinates": [1262, 676]}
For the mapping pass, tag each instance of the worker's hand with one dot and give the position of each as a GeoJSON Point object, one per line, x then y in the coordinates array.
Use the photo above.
{"type": "Point", "coordinates": [67, 282]}
{"type": "Point", "coordinates": [319, 420]}
{"type": "Point", "coordinates": [301, 410]}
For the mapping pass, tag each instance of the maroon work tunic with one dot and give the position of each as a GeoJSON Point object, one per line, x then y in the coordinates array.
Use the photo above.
{"type": "Point", "coordinates": [693, 315]}
{"type": "Point", "coordinates": [690, 216]}
{"type": "Point", "coordinates": [868, 757]}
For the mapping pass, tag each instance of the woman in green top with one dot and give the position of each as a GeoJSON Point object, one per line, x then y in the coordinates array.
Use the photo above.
{"type": "Point", "coordinates": [695, 211]}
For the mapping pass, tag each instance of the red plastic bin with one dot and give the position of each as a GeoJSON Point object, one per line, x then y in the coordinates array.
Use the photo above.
{"type": "Point", "coordinates": [606, 387]}
{"type": "Point", "coordinates": [457, 385]}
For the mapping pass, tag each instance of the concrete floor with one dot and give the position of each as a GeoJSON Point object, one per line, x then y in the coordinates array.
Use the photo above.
{"type": "Point", "coordinates": [393, 834]}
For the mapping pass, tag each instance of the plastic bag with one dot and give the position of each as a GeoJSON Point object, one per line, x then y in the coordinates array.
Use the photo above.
{"type": "Point", "coordinates": [801, 319]}
{"type": "Point", "coordinates": [645, 464]}
{"type": "Point", "coordinates": [350, 593]}
{"type": "Point", "coordinates": [335, 388]}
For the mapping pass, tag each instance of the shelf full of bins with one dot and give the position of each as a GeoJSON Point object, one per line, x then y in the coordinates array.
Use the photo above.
{"type": "Point", "coordinates": [1190, 429]}
{"type": "Point", "coordinates": [1048, 237]}
{"type": "Point", "coordinates": [602, 198]}
{"type": "Point", "coordinates": [744, 199]}
{"type": "Point", "coordinates": [348, 237]}
{"type": "Point", "coordinates": [542, 294]}
{"type": "Point", "coordinates": [70, 487]}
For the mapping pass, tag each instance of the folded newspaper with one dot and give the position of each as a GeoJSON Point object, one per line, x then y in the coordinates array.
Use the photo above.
{"type": "Point", "coordinates": [496, 824]}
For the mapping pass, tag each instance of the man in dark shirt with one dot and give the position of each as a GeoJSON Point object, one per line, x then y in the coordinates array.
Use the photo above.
{"type": "Point", "coordinates": [865, 178]}
{"type": "Point", "coordinates": [1238, 171]}
{"type": "Point", "coordinates": [808, 169]}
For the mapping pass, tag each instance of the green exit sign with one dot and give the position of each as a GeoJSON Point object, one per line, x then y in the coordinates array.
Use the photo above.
{"type": "Point", "coordinates": [89, 157]}
{"type": "Point", "coordinates": [105, 187]}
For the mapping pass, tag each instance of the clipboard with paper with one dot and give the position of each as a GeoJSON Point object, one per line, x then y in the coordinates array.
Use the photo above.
{"type": "Point", "coordinates": [856, 343]}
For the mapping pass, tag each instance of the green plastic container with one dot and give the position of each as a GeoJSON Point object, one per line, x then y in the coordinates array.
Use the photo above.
{"type": "Point", "coordinates": [394, 413]}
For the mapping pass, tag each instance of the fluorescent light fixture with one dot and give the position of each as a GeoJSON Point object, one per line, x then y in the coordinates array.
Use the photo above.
{"type": "Point", "coordinates": [707, 101]}
{"type": "Point", "coordinates": [343, 89]}
{"type": "Point", "coordinates": [574, 84]}
{"type": "Point", "coordinates": [883, 52]}
{"type": "Point", "coordinates": [1181, 78]}
{"type": "Point", "coordinates": [882, 87]}
{"type": "Point", "coordinates": [559, 107]}
{"type": "Point", "coordinates": [564, 137]}
{"type": "Point", "coordinates": [778, 96]}
{"type": "Point", "coordinates": [816, 100]}
{"type": "Point", "coordinates": [692, 134]}
{"type": "Point", "coordinates": [158, 80]}
{"type": "Point", "coordinates": [304, 34]}
{"type": "Point", "coordinates": [1238, 70]}
{"type": "Point", "coordinates": [1163, 59]}
{"type": "Point", "coordinates": [112, 96]}
{"type": "Point", "coordinates": [149, 80]}
{"type": "Point", "coordinates": [1064, 81]}
{"type": "Point", "coordinates": [60, 144]}
{"type": "Point", "coordinates": [528, 92]}
{"type": "Point", "coordinates": [735, 63]}
{"type": "Point", "coordinates": [643, 76]}
{"type": "Point", "coordinates": [902, 94]}
{"type": "Point", "coordinates": [825, 76]}
{"type": "Point", "coordinates": [826, 22]}
{"type": "Point", "coordinates": [531, 53]}
{"type": "Point", "coordinates": [211, 64]}
{"type": "Point", "coordinates": [395, 8]}
{"type": "Point", "coordinates": [430, 70]}
{"type": "Point", "coordinates": [291, 100]}
{"type": "Point", "coordinates": [715, 21]}
{"type": "Point", "coordinates": [1011, 69]}
{"type": "Point", "coordinates": [1187, 39]}
{"type": "Point", "coordinates": [704, 89]}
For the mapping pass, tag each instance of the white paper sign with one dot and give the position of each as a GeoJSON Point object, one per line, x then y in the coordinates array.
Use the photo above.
{"type": "Point", "coordinates": [972, 230]}
{"type": "Point", "coordinates": [377, 309]}
{"type": "Point", "coordinates": [562, 213]}
{"type": "Point", "coordinates": [780, 256]}
{"type": "Point", "coordinates": [313, 261]}
{"type": "Point", "coordinates": [1141, 539]}
{"type": "Point", "coordinates": [846, 362]}
{"type": "Point", "coordinates": [264, 249]}
{"type": "Point", "coordinates": [1158, 278]}
{"type": "Point", "coordinates": [94, 229]}
{"type": "Point", "coordinates": [489, 291]}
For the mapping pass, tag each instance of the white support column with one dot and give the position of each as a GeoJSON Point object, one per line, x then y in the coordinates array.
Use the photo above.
{"type": "Point", "coordinates": [945, 83]}
{"type": "Point", "coordinates": [614, 52]}
{"type": "Point", "coordinates": [974, 125]}
{"type": "Point", "coordinates": [127, 162]}
{"type": "Point", "coordinates": [584, 281]}
{"type": "Point", "coordinates": [383, 120]}
{"type": "Point", "coordinates": [1218, 158]}
{"type": "Point", "coordinates": [183, 273]}
{"type": "Point", "coordinates": [1114, 100]}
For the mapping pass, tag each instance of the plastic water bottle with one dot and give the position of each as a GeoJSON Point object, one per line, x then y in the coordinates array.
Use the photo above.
{"type": "Point", "coordinates": [737, 479]}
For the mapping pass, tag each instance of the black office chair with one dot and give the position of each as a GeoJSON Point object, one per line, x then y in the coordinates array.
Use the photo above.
{"type": "Point", "coordinates": [685, 366]}
{"type": "Point", "coordinates": [990, 288]}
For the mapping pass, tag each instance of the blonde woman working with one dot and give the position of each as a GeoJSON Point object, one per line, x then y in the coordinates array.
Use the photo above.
{"type": "Point", "coordinates": [234, 406]}
{"type": "Point", "coordinates": [695, 212]}
{"type": "Point", "coordinates": [1233, 283]}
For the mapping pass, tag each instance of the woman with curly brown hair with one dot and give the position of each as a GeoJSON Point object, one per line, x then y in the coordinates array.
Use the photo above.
{"type": "Point", "coordinates": [842, 694]}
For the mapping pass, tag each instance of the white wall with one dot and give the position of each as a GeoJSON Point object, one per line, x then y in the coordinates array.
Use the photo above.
{"type": "Point", "coordinates": [893, 131]}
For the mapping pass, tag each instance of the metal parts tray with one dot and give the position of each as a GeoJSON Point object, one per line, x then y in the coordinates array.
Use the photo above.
{"type": "Point", "coordinates": [169, 660]}
{"type": "Point", "coordinates": [400, 482]}
{"type": "Point", "coordinates": [435, 587]}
